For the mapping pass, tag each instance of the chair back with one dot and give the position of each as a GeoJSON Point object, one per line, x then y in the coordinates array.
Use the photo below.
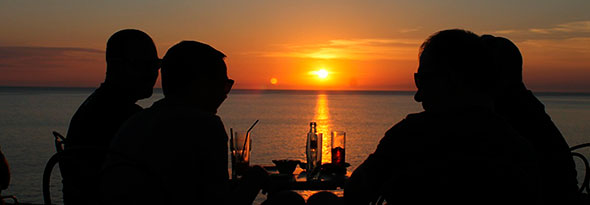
{"type": "Point", "coordinates": [80, 154]}
{"type": "Point", "coordinates": [5, 179]}
{"type": "Point", "coordinates": [585, 185]}
{"type": "Point", "coordinates": [47, 176]}
{"type": "Point", "coordinates": [59, 148]}
{"type": "Point", "coordinates": [60, 141]}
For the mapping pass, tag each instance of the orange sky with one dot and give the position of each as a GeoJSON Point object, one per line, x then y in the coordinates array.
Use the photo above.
{"type": "Point", "coordinates": [364, 45]}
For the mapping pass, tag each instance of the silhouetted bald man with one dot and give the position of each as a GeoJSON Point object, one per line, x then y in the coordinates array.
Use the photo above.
{"type": "Point", "coordinates": [132, 70]}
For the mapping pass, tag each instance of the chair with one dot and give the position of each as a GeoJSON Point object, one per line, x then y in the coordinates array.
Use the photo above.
{"type": "Point", "coordinates": [585, 185]}
{"type": "Point", "coordinates": [59, 143]}
{"type": "Point", "coordinates": [5, 179]}
{"type": "Point", "coordinates": [60, 140]}
{"type": "Point", "coordinates": [60, 155]}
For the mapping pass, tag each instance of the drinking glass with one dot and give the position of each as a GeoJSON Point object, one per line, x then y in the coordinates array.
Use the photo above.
{"type": "Point", "coordinates": [338, 148]}
{"type": "Point", "coordinates": [240, 146]}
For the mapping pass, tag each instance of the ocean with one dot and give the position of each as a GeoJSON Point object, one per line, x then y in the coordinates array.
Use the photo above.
{"type": "Point", "coordinates": [29, 115]}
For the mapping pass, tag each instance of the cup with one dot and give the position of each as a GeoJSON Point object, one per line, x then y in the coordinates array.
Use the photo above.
{"type": "Point", "coordinates": [240, 147]}
{"type": "Point", "coordinates": [338, 148]}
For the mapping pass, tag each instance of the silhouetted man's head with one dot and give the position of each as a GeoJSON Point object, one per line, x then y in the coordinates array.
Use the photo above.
{"type": "Point", "coordinates": [506, 60]}
{"type": "Point", "coordinates": [196, 72]}
{"type": "Point", "coordinates": [132, 63]}
{"type": "Point", "coordinates": [452, 70]}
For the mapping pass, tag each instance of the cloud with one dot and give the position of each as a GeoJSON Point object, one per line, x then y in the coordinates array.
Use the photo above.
{"type": "Point", "coordinates": [50, 65]}
{"type": "Point", "coordinates": [505, 31]}
{"type": "Point", "coordinates": [355, 49]}
{"type": "Point", "coordinates": [563, 30]}
{"type": "Point", "coordinates": [571, 27]}
{"type": "Point", "coordinates": [409, 30]}
{"type": "Point", "coordinates": [44, 57]}
{"type": "Point", "coordinates": [563, 45]}
{"type": "Point", "coordinates": [569, 52]}
{"type": "Point", "coordinates": [579, 45]}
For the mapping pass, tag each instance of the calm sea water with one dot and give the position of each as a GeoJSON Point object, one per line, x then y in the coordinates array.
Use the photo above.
{"type": "Point", "coordinates": [28, 115]}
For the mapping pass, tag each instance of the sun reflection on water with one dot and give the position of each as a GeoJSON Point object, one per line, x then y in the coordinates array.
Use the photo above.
{"type": "Point", "coordinates": [322, 118]}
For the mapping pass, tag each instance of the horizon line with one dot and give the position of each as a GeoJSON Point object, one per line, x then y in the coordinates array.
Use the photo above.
{"type": "Point", "coordinates": [159, 89]}
{"type": "Point", "coordinates": [238, 89]}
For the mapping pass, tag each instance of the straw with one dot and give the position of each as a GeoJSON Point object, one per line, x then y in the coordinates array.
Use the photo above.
{"type": "Point", "coordinates": [231, 139]}
{"type": "Point", "coordinates": [252, 126]}
{"type": "Point", "coordinates": [247, 136]}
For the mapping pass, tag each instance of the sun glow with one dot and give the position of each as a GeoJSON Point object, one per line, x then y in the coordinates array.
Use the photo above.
{"type": "Point", "coordinates": [321, 73]}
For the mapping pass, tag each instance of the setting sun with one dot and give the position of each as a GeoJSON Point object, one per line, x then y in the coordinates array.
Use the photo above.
{"type": "Point", "coordinates": [321, 73]}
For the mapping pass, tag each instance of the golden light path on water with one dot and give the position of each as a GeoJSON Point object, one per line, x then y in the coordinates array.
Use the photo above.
{"type": "Point", "coordinates": [322, 118]}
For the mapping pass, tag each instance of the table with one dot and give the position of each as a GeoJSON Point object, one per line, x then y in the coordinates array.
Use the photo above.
{"type": "Point", "coordinates": [298, 180]}
{"type": "Point", "coordinates": [298, 183]}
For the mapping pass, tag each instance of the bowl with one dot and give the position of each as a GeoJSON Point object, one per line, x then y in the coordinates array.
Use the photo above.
{"type": "Point", "coordinates": [286, 166]}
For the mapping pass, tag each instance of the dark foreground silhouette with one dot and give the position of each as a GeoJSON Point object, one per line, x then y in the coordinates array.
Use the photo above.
{"type": "Point", "coordinates": [458, 151]}
{"type": "Point", "coordinates": [5, 179]}
{"type": "Point", "coordinates": [132, 70]}
{"type": "Point", "coordinates": [175, 152]}
{"type": "Point", "coordinates": [526, 114]}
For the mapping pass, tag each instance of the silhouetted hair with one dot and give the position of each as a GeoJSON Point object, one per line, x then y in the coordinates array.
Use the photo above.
{"type": "Point", "coordinates": [459, 52]}
{"type": "Point", "coordinates": [190, 61]}
{"type": "Point", "coordinates": [285, 197]}
{"type": "Point", "coordinates": [504, 57]}
{"type": "Point", "coordinates": [323, 198]}
{"type": "Point", "coordinates": [126, 44]}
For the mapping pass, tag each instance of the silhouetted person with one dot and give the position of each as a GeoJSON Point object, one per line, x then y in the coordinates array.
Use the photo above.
{"type": "Point", "coordinates": [285, 197]}
{"type": "Point", "coordinates": [132, 70]}
{"type": "Point", "coordinates": [176, 151]}
{"type": "Point", "coordinates": [4, 172]}
{"type": "Point", "coordinates": [526, 114]}
{"type": "Point", "coordinates": [324, 198]}
{"type": "Point", "coordinates": [458, 151]}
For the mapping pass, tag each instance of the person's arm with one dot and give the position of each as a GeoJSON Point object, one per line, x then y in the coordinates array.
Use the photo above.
{"type": "Point", "coordinates": [367, 181]}
{"type": "Point", "coordinates": [249, 186]}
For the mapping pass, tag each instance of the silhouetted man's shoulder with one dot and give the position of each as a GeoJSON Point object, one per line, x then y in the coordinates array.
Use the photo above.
{"type": "Point", "coordinates": [97, 120]}
{"type": "Point", "coordinates": [526, 114]}
{"type": "Point", "coordinates": [179, 148]}
{"type": "Point", "coordinates": [172, 123]}
{"type": "Point", "coordinates": [451, 150]}
{"type": "Point", "coordinates": [91, 130]}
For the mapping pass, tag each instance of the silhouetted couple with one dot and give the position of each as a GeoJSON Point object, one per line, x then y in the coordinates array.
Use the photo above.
{"type": "Point", "coordinates": [482, 138]}
{"type": "Point", "coordinates": [174, 152]}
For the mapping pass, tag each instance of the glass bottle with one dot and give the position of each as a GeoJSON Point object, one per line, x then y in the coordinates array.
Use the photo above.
{"type": "Point", "coordinates": [313, 150]}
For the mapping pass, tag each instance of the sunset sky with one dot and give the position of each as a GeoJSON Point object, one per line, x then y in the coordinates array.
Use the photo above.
{"type": "Point", "coordinates": [334, 45]}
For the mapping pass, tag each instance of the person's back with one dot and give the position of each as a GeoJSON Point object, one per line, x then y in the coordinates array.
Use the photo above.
{"type": "Point", "coordinates": [526, 114]}
{"type": "Point", "coordinates": [161, 145]}
{"type": "Point", "coordinates": [458, 150]}
{"type": "Point", "coordinates": [468, 157]}
{"type": "Point", "coordinates": [175, 152]}
{"type": "Point", "coordinates": [132, 66]}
